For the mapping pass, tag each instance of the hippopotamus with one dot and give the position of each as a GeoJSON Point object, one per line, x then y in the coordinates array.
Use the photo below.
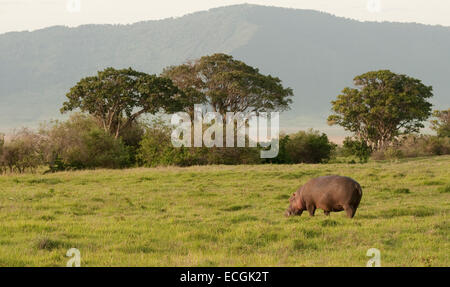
{"type": "Point", "coordinates": [329, 193]}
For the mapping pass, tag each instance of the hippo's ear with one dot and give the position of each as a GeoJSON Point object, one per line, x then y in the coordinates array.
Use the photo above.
{"type": "Point", "coordinates": [293, 194]}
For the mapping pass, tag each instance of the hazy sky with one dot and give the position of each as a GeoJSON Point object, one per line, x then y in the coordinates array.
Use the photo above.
{"type": "Point", "coordinates": [18, 15]}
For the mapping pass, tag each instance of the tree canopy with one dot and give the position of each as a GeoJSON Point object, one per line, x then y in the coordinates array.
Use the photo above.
{"type": "Point", "coordinates": [229, 85]}
{"type": "Point", "coordinates": [186, 78]}
{"type": "Point", "coordinates": [116, 98]}
{"type": "Point", "coordinates": [382, 106]}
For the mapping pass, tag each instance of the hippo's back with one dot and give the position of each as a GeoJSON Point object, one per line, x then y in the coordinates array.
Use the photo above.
{"type": "Point", "coordinates": [334, 188]}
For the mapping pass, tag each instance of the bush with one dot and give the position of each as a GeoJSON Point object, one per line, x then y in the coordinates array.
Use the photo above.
{"type": "Point", "coordinates": [2, 143]}
{"type": "Point", "coordinates": [304, 147]}
{"type": "Point", "coordinates": [78, 143]}
{"type": "Point", "coordinates": [156, 149]}
{"type": "Point", "coordinates": [283, 156]}
{"type": "Point", "coordinates": [415, 146]}
{"type": "Point", "coordinates": [103, 150]}
{"type": "Point", "coordinates": [21, 152]}
{"type": "Point", "coordinates": [441, 123]}
{"type": "Point", "coordinates": [356, 148]}
{"type": "Point", "coordinates": [233, 156]}
{"type": "Point", "coordinates": [132, 137]}
{"type": "Point", "coordinates": [392, 153]}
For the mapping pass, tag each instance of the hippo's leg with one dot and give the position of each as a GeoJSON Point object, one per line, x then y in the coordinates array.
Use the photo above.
{"type": "Point", "coordinates": [311, 209]}
{"type": "Point", "coordinates": [350, 211]}
{"type": "Point", "coordinates": [327, 213]}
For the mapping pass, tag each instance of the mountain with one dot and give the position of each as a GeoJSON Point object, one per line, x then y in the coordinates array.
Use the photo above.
{"type": "Point", "coordinates": [315, 53]}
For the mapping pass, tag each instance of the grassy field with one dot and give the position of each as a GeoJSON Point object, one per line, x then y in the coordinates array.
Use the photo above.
{"type": "Point", "coordinates": [224, 216]}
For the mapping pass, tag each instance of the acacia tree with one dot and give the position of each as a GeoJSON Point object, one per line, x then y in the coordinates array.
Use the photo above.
{"type": "Point", "coordinates": [116, 98]}
{"type": "Point", "coordinates": [383, 106]}
{"type": "Point", "coordinates": [187, 79]}
{"type": "Point", "coordinates": [229, 85]}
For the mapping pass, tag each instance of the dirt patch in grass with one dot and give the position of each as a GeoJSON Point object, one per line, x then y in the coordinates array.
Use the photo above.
{"type": "Point", "coordinates": [444, 189]}
{"type": "Point", "coordinates": [417, 211]}
{"type": "Point", "coordinates": [49, 244]}
{"type": "Point", "coordinates": [301, 245]}
{"type": "Point", "coordinates": [243, 218]}
{"type": "Point", "coordinates": [401, 191]}
{"type": "Point", "coordinates": [329, 222]}
{"type": "Point", "coordinates": [236, 207]}
{"type": "Point", "coordinates": [49, 181]}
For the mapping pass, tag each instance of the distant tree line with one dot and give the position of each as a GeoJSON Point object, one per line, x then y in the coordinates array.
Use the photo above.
{"type": "Point", "coordinates": [80, 143]}
{"type": "Point", "coordinates": [384, 112]}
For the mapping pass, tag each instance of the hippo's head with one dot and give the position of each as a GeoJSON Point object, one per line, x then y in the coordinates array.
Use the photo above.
{"type": "Point", "coordinates": [295, 204]}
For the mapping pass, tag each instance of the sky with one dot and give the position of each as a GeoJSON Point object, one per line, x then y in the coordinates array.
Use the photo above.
{"type": "Point", "coordinates": [20, 15]}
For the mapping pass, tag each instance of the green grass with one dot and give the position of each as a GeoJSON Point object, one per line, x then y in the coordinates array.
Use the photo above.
{"type": "Point", "coordinates": [224, 216]}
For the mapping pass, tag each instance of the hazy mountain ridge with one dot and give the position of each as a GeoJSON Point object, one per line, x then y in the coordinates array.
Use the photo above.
{"type": "Point", "coordinates": [315, 53]}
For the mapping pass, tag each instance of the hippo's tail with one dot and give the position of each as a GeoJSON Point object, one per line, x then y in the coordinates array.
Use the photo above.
{"type": "Point", "coordinates": [359, 189]}
{"type": "Point", "coordinates": [358, 198]}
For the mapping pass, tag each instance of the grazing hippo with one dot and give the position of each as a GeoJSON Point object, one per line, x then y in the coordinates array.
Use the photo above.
{"type": "Point", "coordinates": [330, 193]}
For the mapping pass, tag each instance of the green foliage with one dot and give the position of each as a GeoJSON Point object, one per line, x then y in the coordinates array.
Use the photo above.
{"type": "Point", "coordinates": [186, 78]}
{"type": "Point", "coordinates": [304, 147]}
{"type": "Point", "coordinates": [229, 85]}
{"type": "Point", "coordinates": [383, 106]}
{"type": "Point", "coordinates": [283, 155]}
{"type": "Point", "coordinates": [132, 137]}
{"type": "Point", "coordinates": [79, 143]}
{"type": "Point", "coordinates": [358, 148]}
{"type": "Point", "coordinates": [116, 98]}
{"type": "Point", "coordinates": [441, 123]}
{"type": "Point", "coordinates": [156, 149]}
{"type": "Point", "coordinates": [103, 150]}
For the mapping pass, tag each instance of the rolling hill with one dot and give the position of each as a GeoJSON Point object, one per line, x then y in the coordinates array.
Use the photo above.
{"type": "Point", "coordinates": [315, 53]}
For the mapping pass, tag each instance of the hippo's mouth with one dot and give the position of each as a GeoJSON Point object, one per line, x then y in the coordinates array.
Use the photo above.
{"type": "Point", "coordinates": [292, 212]}
{"type": "Point", "coordinates": [289, 213]}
